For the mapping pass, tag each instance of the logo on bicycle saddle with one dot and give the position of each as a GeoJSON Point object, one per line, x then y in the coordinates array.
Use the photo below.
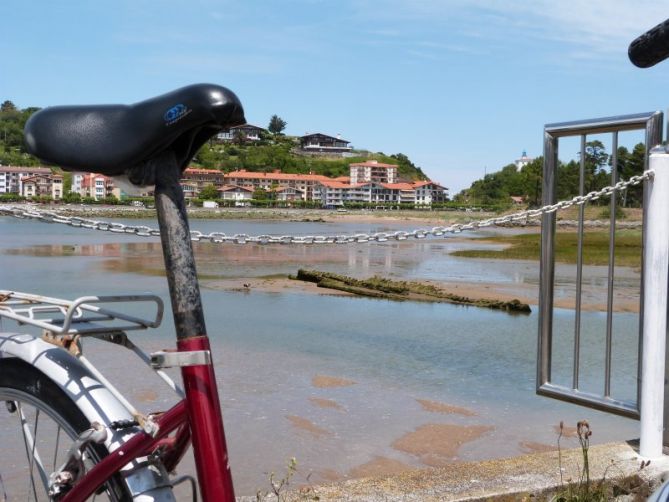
{"type": "Point", "coordinates": [176, 113]}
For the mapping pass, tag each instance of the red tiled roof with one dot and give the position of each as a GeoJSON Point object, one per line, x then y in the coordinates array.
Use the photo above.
{"type": "Point", "coordinates": [276, 176]}
{"type": "Point", "coordinates": [335, 184]}
{"type": "Point", "coordinates": [36, 170]}
{"type": "Point", "coordinates": [227, 188]}
{"type": "Point", "coordinates": [28, 179]}
{"type": "Point", "coordinates": [398, 186]}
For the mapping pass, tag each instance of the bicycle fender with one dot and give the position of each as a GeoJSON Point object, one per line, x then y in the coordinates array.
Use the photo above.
{"type": "Point", "coordinates": [94, 400]}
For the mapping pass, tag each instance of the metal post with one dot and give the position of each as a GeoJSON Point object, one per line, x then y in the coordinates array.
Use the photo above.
{"type": "Point", "coordinates": [656, 270]}
{"type": "Point", "coordinates": [202, 401]}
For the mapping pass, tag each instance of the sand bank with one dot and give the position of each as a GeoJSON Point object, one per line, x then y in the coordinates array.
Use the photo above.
{"type": "Point", "coordinates": [436, 445]}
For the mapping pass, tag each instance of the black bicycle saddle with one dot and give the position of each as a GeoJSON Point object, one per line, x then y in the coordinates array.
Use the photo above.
{"type": "Point", "coordinates": [113, 139]}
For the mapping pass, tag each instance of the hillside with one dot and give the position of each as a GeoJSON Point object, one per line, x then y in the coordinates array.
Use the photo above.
{"type": "Point", "coordinates": [270, 153]}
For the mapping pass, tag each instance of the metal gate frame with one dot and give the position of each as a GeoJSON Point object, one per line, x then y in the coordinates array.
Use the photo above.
{"type": "Point", "coordinates": [652, 124]}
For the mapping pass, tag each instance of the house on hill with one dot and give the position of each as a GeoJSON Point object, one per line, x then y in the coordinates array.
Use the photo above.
{"type": "Point", "coordinates": [248, 132]}
{"type": "Point", "coordinates": [322, 143]}
{"type": "Point", "coordinates": [241, 195]}
{"type": "Point", "coordinates": [43, 185]}
{"type": "Point", "coordinates": [11, 178]}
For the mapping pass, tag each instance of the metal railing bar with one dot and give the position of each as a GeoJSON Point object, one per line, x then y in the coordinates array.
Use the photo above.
{"type": "Point", "coordinates": [547, 268]}
{"type": "Point", "coordinates": [597, 402]}
{"type": "Point", "coordinates": [604, 125]}
{"type": "Point", "coordinates": [612, 257]}
{"type": "Point", "coordinates": [579, 270]}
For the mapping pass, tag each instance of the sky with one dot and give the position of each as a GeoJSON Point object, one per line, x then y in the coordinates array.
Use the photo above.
{"type": "Point", "coordinates": [462, 87]}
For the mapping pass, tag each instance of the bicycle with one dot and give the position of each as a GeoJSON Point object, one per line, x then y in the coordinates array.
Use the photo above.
{"type": "Point", "coordinates": [113, 448]}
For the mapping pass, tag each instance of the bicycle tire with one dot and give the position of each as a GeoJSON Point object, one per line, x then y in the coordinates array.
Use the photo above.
{"type": "Point", "coordinates": [22, 383]}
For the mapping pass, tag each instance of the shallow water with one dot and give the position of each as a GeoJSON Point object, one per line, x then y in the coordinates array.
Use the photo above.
{"type": "Point", "coordinates": [269, 346]}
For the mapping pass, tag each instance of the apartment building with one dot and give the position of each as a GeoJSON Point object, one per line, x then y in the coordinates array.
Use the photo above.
{"type": "Point", "coordinates": [369, 182]}
{"type": "Point", "coordinates": [42, 185]}
{"type": "Point", "coordinates": [11, 177]}
{"type": "Point", "coordinates": [373, 170]}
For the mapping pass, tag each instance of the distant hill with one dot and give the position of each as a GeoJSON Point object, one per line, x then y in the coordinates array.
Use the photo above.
{"type": "Point", "coordinates": [270, 153]}
{"type": "Point", "coordinates": [282, 152]}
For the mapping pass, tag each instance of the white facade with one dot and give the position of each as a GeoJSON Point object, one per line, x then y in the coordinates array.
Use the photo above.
{"type": "Point", "coordinates": [10, 177]}
{"type": "Point", "coordinates": [240, 195]}
{"type": "Point", "coordinates": [373, 170]}
{"type": "Point", "coordinates": [522, 161]}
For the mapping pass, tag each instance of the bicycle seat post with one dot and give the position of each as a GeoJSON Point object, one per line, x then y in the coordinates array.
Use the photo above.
{"type": "Point", "coordinates": [199, 380]}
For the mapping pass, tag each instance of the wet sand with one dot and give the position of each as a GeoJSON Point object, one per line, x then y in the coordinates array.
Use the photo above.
{"type": "Point", "coordinates": [437, 445]}
{"type": "Point", "coordinates": [379, 466]}
{"type": "Point", "coordinates": [567, 432]}
{"type": "Point", "coordinates": [447, 409]}
{"type": "Point", "coordinates": [326, 382]}
{"type": "Point", "coordinates": [308, 426]}
{"type": "Point", "coordinates": [325, 403]}
{"type": "Point", "coordinates": [534, 447]}
{"type": "Point", "coordinates": [594, 300]}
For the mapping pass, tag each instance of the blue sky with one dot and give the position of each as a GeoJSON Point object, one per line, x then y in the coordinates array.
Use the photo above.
{"type": "Point", "coordinates": [460, 86]}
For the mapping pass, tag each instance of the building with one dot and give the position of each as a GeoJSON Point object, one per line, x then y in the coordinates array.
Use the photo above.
{"type": "Point", "coordinates": [95, 186]}
{"type": "Point", "coordinates": [246, 132]}
{"type": "Point", "coordinates": [43, 185]}
{"type": "Point", "coordinates": [369, 182]}
{"type": "Point", "coordinates": [240, 195]}
{"type": "Point", "coordinates": [305, 183]}
{"type": "Point", "coordinates": [11, 177]}
{"type": "Point", "coordinates": [522, 161]}
{"type": "Point", "coordinates": [322, 143]}
{"type": "Point", "coordinates": [429, 192]}
{"type": "Point", "coordinates": [373, 170]}
{"type": "Point", "coordinates": [194, 180]}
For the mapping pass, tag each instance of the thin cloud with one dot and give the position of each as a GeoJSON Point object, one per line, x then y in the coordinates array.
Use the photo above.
{"type": "Point", "coordinates": [601, 26]}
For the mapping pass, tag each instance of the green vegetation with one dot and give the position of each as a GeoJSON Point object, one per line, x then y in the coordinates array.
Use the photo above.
{"type": "Point", "coordinates": [276, 125]}
{"type": "Point", "coordinates": [273, 151]}
{"type": "Point", "coordinates": [497, 188]}
{"type": "Point", "coordinates": [379, 287]}
{"type": "Point", "coordinates": [595, 248]}
{"type": "Point", "coordinates": [282, 152]}
{"type": "Point", "coordinates": [584, 489]}
{"type": "Point", "coordinates": [12, 148]}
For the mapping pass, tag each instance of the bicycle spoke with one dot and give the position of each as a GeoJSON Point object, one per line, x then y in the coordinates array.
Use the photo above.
{"type": "Point", "coordinates": [4, 491]}
{"type": "Point", "coordinates": [22, 421]}
{"type": "Point", "coordinates": [55, 453]}
{"type": "Point", "coordinates": [31, 451]}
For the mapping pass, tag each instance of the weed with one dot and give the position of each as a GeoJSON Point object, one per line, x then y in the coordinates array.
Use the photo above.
{"type": "Point", "coordinates": [279, 488]}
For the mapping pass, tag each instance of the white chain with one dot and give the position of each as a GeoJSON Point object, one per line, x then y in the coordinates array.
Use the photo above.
{"type": "Point", "coordinates": [421, 233]}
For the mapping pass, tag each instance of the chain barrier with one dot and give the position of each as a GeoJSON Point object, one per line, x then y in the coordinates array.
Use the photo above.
{"type": "Point", "coordinates": [421, 233]}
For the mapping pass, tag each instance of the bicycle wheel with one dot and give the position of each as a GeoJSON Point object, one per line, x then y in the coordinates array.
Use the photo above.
{"type": "Point", "coordinates": [38, 422]}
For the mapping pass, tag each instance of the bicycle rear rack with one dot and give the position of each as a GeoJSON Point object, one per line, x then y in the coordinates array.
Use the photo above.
{"type": "Point", "coordinates": [83, 316]}
{"type": "Point", "coordinates": [65, 322]}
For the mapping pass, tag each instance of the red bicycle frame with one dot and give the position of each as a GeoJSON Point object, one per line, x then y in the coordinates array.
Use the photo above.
{"type": "Point", "coordinates": [198, 417]}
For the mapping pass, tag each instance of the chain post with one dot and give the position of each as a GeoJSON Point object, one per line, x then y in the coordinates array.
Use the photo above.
{"type": "Point", "coordinates": [655, 276]}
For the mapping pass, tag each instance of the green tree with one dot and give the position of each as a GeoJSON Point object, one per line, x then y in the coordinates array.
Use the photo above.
{"type": "Point", "coordinates": [631, 164]}
{"type": "Point", "coordinates": [7, 106]}
{"type": "Point", "coordinates": [276, 124]}
{"type": "Point", "coordinates": [209, 192]}
{"type": "Point", "coordinates": [260, 194]}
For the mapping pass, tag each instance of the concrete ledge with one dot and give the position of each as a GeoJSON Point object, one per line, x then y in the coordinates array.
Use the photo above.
{"type": "Point", "coordinates": [516, 478]}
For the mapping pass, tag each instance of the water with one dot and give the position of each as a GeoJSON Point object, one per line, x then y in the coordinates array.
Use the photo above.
{"type": "Point", "coordinates": [268, 346]}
